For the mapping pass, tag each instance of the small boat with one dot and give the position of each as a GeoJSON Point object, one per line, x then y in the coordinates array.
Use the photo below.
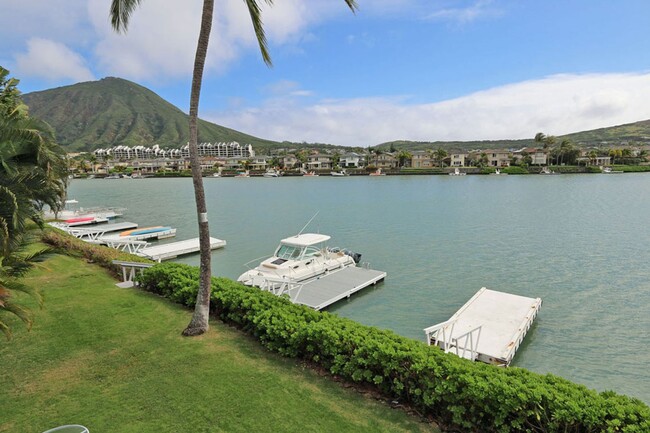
{"type": "Point", "coordinates": [608, 170]}
{"type": "Point", "coordinates": [339, 173]}
{"type": "Point", "coordinates": [457, 172]}
{"type": "Point", "coordinates": [298, 258]}
{"type": "Point", "coordinates": [271, 173]}
{"type": "Point", "coordinates": [498, 172]}
{"type": "Point", "coordinates": [377, 172]}
{"type": "Point", "coordinates": [113, 176]}
{"type": "Point", "coordinates": [243, 174]}
{"type": "Point", "coordinates": [310, 174]}
{"type": "Point", "coordinates": [546, 170]}
{"type": "Point", "coordinates": [144, 231]}
{"type": "Point", "coordinates": [86, 219]}
{"type": "Point", "coordinates": [217, 174]}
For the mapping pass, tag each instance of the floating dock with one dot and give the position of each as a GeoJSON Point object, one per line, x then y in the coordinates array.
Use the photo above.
{"type": "Point", "coordinates": [175, 249]}
{"type": "Point", "coordinates": [488, 328]}
{"type": "Point", "coordinates": [327, 289]}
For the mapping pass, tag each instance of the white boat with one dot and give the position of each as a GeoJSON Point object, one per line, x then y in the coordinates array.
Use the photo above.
{"type": "Point", "coordinates": [545, 170]}
{"type": "Point", "coordinates": [377, 172]}
{"type": "Point", "coordinates": [113, 176]}
{"type": "Point", "coordinates": [498, 172]}
{"type": "Point", "coordinates": [339, 173]}
{"type": "Point", "coordinates": [608, 170]}
{"type": "Point", "coordinates": [271, 173]}
{"type": "Point", "coordinates": [243, 174]}
{"type": "Point", "coordinates": [310, 174]}
{"type": "Point", "coordinates": [298, 258]}
{"type": "Point", "coordinates": [457, 172]}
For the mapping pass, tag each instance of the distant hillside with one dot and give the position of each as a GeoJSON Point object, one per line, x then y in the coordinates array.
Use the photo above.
{"type": "Point", "coordinates": [637, 133]}
{"type": "Point", "coordinates": [630, 133]}
{"type": "Point", "coordinates": [113, 111]}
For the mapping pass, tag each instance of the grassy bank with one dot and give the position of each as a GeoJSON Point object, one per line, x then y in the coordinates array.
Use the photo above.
{"type": "Point", "coordinates": [113, 360]}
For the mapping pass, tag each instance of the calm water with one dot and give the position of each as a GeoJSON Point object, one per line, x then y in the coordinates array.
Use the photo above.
{"type": "Point", "coordinates": [580, 242]}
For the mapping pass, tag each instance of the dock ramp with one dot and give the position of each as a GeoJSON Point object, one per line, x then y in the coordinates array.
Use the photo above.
{"type": "Point", "coordinates": [488, 328]}
{"type": "Point", "coordinates": [329, 288]}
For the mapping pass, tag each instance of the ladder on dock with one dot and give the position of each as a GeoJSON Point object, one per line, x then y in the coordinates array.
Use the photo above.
{"type": "Point", "coordinates": [489, 328]}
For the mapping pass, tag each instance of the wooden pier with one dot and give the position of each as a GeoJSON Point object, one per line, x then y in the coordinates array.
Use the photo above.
{"type": "Point", "coordinates": [488, 328]}
{"type": "Point", "coordinates": [175, 249]}
{"type": "Point", "coordinates": [325, 290]}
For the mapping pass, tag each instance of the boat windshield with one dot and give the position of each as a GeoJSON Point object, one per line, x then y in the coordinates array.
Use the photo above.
{"type": "Point", "coordinates": [288, 252]}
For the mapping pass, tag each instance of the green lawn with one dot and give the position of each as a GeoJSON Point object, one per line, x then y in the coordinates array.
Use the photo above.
{"type": "Point", "coordinates": [113, 360]}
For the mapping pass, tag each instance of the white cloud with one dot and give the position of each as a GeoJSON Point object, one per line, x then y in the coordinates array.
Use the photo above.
{"type": "Point", "coordinates": [53, 61]}
{"type": "Point", "coordinates": [464, 15]}
{"type": "Point", "coordinates": [161, 39]}
{"type": "Point", "coordinates": [558, 104]}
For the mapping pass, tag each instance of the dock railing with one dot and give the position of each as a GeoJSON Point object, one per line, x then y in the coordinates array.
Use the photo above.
{"type": "Point", "coordinates": [465, 345]}
{"type": "Point", "coordinates": [128, 246]}
{"type": "Point", "coordinates": [280, 286]}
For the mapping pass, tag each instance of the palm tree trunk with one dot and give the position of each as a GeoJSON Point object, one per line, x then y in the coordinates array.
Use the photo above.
{"type": "Point", "coordinates": [200, 319]}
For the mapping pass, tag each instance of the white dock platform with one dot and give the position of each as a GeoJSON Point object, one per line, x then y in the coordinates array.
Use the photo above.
{"type": "Point", "coordinates": [334, 286]}
{"type": "Point", "coordinates": [175, 249]}
{"type": "Point", "coordinates": [489, 327]}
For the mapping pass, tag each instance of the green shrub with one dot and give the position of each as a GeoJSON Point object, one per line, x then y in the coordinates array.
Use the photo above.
{"type": "Point", "coordinates": [460, 394]}
{"type": "Point", "coordinates": [593, 169]}
{"type": "Point", "coordinates": [515, 170]}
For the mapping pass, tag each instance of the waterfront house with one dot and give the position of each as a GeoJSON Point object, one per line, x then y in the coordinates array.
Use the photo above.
{"type": "Point", "coordinates": [386, 161]}
{"type": "Point", "coordinates": [457, 159]}
{"type": "Point", "coordinates": [319, 161]}
{"type": "Point", "coordinates": [497, 157]}
{"type": "Point", "coordinates": [421, 159]}
{"type": "Point", "coordinates": [537, 156]}
{"type": "Point", "coordinates": [351, 160]}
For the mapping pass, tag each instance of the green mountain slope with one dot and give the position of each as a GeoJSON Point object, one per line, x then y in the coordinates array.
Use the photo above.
{"type": "Point", "coordinates": [637, 133]}
{"type": "Point", "coordinates": [113, 111]}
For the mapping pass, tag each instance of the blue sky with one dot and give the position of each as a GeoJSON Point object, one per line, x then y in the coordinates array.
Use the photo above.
{"type": "Point", "coordinates": [397, 69]}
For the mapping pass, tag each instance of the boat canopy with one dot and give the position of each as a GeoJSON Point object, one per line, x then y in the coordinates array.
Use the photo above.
{"type": "Point", "coordinates": [305, 239]}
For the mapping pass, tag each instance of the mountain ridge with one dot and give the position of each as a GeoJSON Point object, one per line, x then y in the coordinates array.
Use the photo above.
{"type": "Point", "coordinates": [113, 111]}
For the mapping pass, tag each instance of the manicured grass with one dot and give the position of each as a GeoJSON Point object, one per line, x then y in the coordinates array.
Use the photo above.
{"type": "Point", "coordinates": [113, 360]}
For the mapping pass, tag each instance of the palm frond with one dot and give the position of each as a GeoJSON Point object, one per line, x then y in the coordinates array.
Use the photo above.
{"type": "Point", "coordinates": [120, 14]}
{"type": "Point", "coordinates": [256, 18]}
{"type": "Point", "coordinates": [352, 4]}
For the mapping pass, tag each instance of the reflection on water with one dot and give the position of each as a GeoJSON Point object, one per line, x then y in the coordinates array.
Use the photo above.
{"type": "Point", "coordinates": [577, 241]}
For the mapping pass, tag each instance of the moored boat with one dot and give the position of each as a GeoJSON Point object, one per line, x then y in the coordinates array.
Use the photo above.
{"type": "Point", "coordinates": [457, 172]}
{"type": "Point", "coordinates": [377, 172]}
{"type": "Point", "coordinates": [144, 231]}
{"type": "Point", "coordinates": [339, 173]}
{"type": "Point", "coordinates": [299, 258]}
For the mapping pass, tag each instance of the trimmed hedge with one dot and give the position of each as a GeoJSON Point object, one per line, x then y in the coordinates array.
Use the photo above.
{"type": "Point", "coordinates": [101, 255]}
{"type": "Point", "coordinates": [458, 393]}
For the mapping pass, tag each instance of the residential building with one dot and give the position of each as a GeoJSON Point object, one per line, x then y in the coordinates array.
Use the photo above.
{"type": "Point", "coordinates": [457, 159]}
{"type": "Point", "coordinates": [421, 159]}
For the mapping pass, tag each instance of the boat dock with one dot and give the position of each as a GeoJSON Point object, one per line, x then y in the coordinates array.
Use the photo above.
{"type": "Point", "coordinates": [327, 289]}
{"type": "Point", "coordinates": [175, 249]}
{"type": "Point", "coordinates": [488, 328]}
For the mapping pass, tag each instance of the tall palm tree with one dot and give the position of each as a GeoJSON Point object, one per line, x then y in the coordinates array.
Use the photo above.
{"type": "Point", "coordinates": [441, 154]}
{"type": "Point", "coordinates": [120, 13]}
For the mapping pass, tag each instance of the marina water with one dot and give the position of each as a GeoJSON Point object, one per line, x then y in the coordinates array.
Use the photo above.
{"type": "Point", "coordinates": [580, 242]}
